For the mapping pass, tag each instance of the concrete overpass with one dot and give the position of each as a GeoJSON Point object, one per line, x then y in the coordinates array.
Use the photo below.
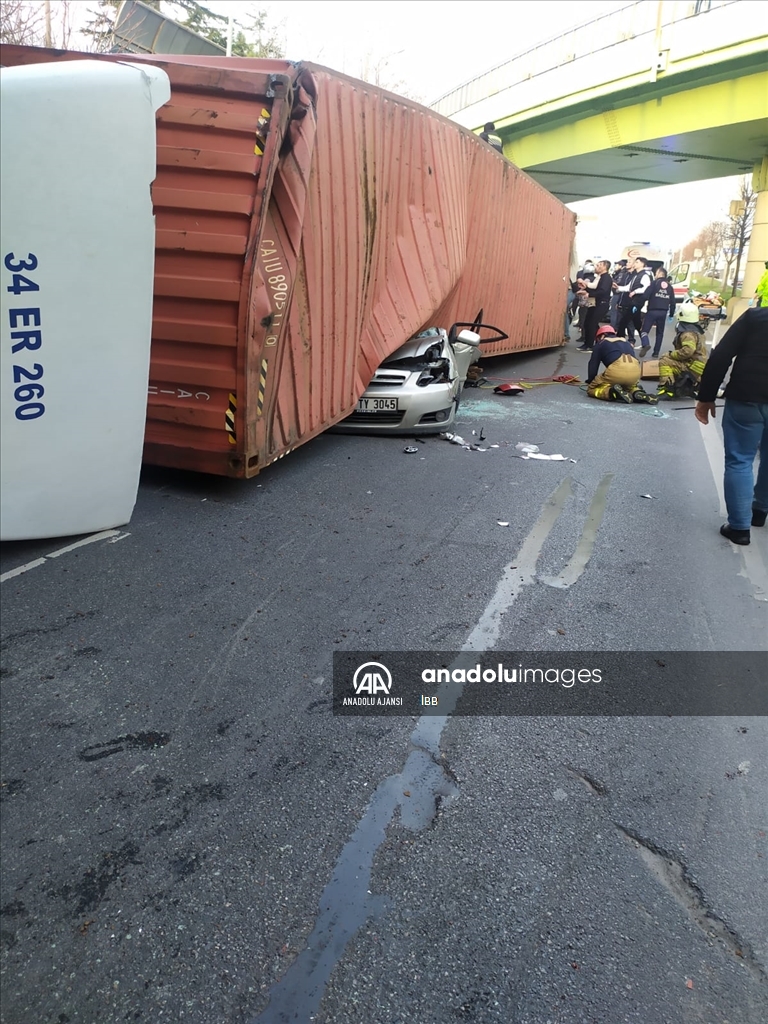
{"type": "Point", "coordinates": [655, 93]}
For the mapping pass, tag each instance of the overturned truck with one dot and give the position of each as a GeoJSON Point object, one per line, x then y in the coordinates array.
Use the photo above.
{"type": "Point", "coordinates": [307, 224]}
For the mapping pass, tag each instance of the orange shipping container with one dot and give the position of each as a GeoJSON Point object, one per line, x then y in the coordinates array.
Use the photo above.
{"type": "Point", "coordinates": [307, 225]}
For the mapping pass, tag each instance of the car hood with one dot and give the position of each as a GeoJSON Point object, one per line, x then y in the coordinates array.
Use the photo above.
{"type": "Point", "coordinates": [417, 348]}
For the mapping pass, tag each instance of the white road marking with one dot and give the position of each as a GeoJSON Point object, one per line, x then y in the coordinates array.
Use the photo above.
{"type": "Point", "coordinates": [713, 446]}
{"type": "Point", "coordinates": [20, 569]}
{"type": "Point", "coordinates": [104, 535]}
{"type": "Point", "coordinates": [521, 573]}
{"type": "Point", "coordinates": [581, 556]}
{"type": "Point", "coordinates": [486, 633]}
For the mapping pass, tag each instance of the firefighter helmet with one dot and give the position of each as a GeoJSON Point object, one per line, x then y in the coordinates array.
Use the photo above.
{"type": "Point", "coordinates": [605, 329]}
{"type": "Point", "coordinates": [689, 313]}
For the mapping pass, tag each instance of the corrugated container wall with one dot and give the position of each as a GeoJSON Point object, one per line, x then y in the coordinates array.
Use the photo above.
{"type": "Point", "coordinates": [307, 225]}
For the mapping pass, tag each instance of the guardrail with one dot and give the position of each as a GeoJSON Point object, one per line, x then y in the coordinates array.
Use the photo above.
{"type": "Point", "coordinates": [631, 22]}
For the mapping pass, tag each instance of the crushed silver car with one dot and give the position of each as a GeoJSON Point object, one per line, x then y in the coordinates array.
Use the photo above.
{"type": "Point", "coordinates": [417, 389]}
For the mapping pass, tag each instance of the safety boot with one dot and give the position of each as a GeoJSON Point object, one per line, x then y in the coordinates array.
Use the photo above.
{"type": "Point", "coordinates": [616, 393]}
{"type": "Point", "coordinates": [640, 395]}
{"type": "Point", "coordinates": [665, 391]}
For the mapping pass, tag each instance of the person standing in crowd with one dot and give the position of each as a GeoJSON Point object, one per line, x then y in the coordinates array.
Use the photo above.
{"type": "Point", "coordinates": [580, 294]}
{"type": "Point", "coordinates": [620, 276]}
{"type": "Point", "coordinates": [620, 381]}
{"type": "Point", "coordinates": [632, 297]}
{"type": "Point", "coordinates": [761, 292]}
{"type": "Point", "coordinates": [745, 419]}
{"type": "Point", "coordinates": [688, 356]}
{"type": "Point", "coordinates": [661, 304]}
{"type": "Point", "coordinates": [598, 297]}
{"type": "Point", "coordinates": [488, 134]}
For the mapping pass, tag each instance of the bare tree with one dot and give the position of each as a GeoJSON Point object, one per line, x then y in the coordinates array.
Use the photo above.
{"type": "Point", "coordinates": [740, 227]}
{"type": "Point", "coordinates": [374, 70]}
{"type": "Point", "coordinates": [260, 38]}
{"type": "Point", "coordinates": [22, 23]}
{"type": "Point", "coordinates": [689, 249]}
{"type": "Point", "coordinates": [710, 241]}
{"type": "Point", "coordinates": [32, 23]}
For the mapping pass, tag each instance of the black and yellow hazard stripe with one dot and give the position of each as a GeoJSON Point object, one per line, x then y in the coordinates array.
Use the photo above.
{"type": "Point", "coordinates": [262, 129]}
{"type": "Point", "coordinates": [229, 419]}
{"type": "Point", "coordinates": [262, 387]}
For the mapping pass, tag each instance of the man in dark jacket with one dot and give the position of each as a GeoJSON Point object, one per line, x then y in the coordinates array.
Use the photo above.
{"type": "Point", "coordinates": [661, 304]}
{"type": "Point", "coordinates": [488, 134]}
{"type": "Point", "coordinates": [621, 275]}
{"type": "Point", "coordinates": [586, 273]}
{"type": "Point", "coordinates": [632, 297]}
{"type": "Point", "coordinates": [598, 291]}
{"type": "Point", "coordinates": [745, 419]}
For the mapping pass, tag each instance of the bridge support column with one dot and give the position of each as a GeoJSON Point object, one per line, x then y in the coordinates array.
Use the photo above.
{"type": "Point", "coordinates": [757, 253]}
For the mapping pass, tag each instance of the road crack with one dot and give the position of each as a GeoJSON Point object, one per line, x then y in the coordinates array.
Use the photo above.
{"type": "Point", "coordinates": [593, 785]}
{"type": "Point", "coordinates": [671, 871]}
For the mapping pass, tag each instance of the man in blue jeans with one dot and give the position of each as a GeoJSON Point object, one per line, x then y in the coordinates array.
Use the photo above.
{"type": "Point", "coordinates": [745, 419]}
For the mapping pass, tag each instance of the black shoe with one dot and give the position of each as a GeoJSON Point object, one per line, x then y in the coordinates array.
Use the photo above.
{"type": "Point", "coordinates": [655, 355]}
{"type": "Point", "coordinates": [618, 394]}
{"type": "Point", "coordinates": [758, 516]}
{"type": "Point", "coordinates": [583, 348]}
{"type": "Point", "coordinates": [644, 351]}
{"type": "Point", "coordinates": [735, 536]}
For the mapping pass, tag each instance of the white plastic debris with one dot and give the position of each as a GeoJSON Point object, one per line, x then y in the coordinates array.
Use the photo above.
{"type": "Point", "coordinates": [524, 447]}
{"type": "Point", "coordinates": [493, 446]}
{"type": "Point", "coordinates": [499, 522]}
{"type": "Point", "coordinates": [454, 439]}
{"type": "Point", "coordinates": [540, 455]}
{"type": "Point", "coordinates": [744, 767]}
{"type": "Point", "coordinates": [646, 495]}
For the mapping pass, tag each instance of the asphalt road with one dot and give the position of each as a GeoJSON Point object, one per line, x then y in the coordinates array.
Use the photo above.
{"type": "Point", "coordinates": [190, 834]}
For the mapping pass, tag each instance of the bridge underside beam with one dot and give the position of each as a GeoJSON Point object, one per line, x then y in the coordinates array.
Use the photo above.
{"type": "Point", "coordinates": [712, 131]}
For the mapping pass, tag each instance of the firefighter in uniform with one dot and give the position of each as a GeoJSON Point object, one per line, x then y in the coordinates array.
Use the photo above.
{"type": "Point", "coordinates": [620, 381]}
{"type": "Point", "coordinates": [681, 369]}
